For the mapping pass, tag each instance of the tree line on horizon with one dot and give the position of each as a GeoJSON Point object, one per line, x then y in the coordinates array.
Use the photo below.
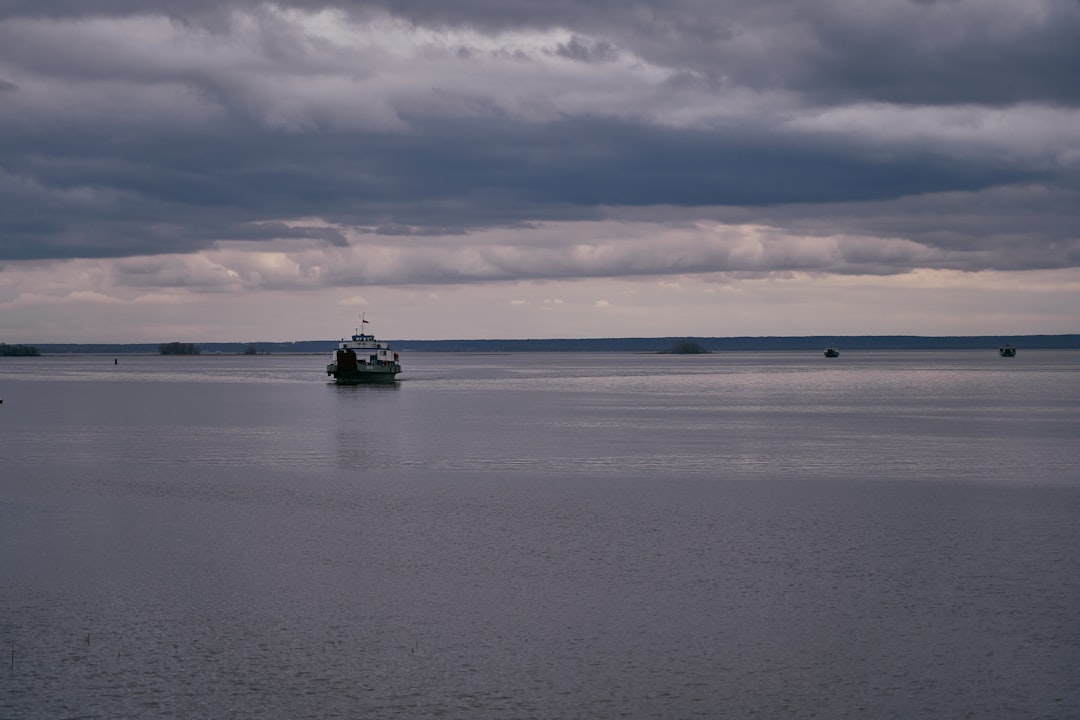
{"type": "Point", "coordinates": [179, 348]}
{"type": "Point", "coordinates": [18, 350]}
{"type": "Point", "coordinates": [675, 345]}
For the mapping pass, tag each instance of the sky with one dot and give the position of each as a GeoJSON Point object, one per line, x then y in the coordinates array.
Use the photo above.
{"type": "Point", "coordinates": [233, 170]}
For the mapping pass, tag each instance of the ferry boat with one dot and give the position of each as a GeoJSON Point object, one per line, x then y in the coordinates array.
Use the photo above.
{"type": "Point", "coordinates": [362, 359]}
{"type": "Point", "coordinates": [832, 352]}
{"type": "Point", "coordinates": [1007, 351]}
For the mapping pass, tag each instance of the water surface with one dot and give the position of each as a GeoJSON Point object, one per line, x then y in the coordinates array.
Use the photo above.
{"type": "Point", "coordinates": [542, 536]}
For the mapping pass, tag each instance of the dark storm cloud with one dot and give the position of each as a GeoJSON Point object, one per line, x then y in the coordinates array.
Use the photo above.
{"type": "Point", "coordinates": [897, 51]}
{"type": "Point", "coordinates": [98, 178]}
{"type": "Point", "coordinates": [166, 192]}
{"type": "Point", "coordinates": [907, 52]}
{"type": "Point", "coordinates": [580, 49]}
{"type": "Point", "coordinates": [930, 52]}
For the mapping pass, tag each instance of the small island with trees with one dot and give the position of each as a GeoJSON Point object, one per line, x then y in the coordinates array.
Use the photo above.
{"type": "Point", "coordinates": [18, 350]}
{"type": "Point", "coordinates": [687, 347]}
{"type": "Point", "coordinates": [179, 348]}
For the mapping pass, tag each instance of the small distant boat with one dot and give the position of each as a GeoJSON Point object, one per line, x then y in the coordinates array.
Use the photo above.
{"type": "Point", "coordinates": [362, 359]}
{"type": "Point", "coordinates": [1007, 351]}
{"type": "Point", "coordinates": [832, 352]}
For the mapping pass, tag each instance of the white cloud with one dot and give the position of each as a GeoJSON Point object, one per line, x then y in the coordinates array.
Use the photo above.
{"type": "Point", "coordinates": [1021, 131]}
{"type": "Point", "coordinates": [922, 302]}
{"type": "Point", "coordinates": [295, 72]}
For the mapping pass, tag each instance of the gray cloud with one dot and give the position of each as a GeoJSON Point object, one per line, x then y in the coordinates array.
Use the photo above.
{"type": "Point", "coordinates": [116, 142]}
{"type": "Point", "coordinates": [910, 52]}
{"type": "Point", "coordinates": [585, 51]}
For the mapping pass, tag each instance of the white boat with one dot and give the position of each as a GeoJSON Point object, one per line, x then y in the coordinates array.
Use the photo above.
{"type": "Point", "coordinates": [362, 359]}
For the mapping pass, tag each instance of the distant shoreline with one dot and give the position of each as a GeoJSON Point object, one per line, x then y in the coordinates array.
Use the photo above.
{"type": "Point", "coordinates": [661, 344]}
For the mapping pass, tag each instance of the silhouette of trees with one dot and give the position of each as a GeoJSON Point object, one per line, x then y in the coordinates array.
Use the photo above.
{"type": "Point", "coordinates": [18, 350]}
{"type": "Point", "coordinates": [178, 348]}
{"type": "Point", "coordinates": [687, 347]}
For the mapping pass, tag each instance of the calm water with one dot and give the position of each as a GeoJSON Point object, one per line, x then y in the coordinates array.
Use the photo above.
{"type": "Point", "coordinates": [884, 535]}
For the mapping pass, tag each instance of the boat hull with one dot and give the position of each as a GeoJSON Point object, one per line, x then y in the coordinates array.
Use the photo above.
{"type": "Point", "coordinates": [363, 376]}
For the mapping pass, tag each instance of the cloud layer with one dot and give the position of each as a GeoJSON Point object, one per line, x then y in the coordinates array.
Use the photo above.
{"type": "Point", "coordinates": [210, 147]}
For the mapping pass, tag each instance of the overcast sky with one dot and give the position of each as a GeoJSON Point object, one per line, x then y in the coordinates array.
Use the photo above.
{"type": "Point", "coordinates": [231, 170]}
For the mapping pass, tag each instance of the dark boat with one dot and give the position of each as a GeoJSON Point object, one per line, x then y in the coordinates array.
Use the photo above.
{"type": "Point", "coordinates": [832, 352]}
{"type": "Point", "coordinates": [1007, 351]}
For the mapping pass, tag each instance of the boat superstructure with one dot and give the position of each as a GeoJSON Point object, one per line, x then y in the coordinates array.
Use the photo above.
{"type": "Point", "coordinates": [362, 359]}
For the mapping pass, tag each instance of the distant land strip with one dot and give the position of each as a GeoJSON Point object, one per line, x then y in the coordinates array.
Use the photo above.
{"type": "Point", "coordinates": [638, 345]}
